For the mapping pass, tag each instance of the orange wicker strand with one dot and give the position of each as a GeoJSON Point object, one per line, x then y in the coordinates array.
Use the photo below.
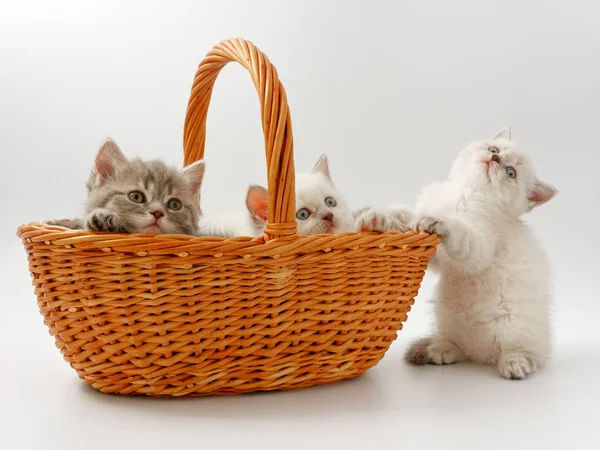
{"type": "Point", "coordinates": [172, 315]}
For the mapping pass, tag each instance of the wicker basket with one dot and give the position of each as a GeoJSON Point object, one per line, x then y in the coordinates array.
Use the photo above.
{"type": "Point", "coordinates": [172, 315]}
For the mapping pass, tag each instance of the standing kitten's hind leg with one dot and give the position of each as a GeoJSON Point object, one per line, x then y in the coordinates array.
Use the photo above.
{"type": "Point", "coordinates": [433, 351]}
{"type": "Point", "coordinates": [516, 365]}
{"type": "Point", "coordinates": [417, 353]}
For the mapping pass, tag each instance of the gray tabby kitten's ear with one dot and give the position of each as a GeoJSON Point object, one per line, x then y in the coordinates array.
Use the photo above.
{"type": "Point", "coordinates": [504, 133]}
{"type": "Point", "coordinates": [108, 158]}
{"type": "Point", "coordinates": [322, 166]}
{"type": "Point", "coordinates": [540, 194]}
{"type": "Point", "coordinates": [194, 173]}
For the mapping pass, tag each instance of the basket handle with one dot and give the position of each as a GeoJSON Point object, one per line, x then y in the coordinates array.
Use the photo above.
{"type": "Point", "coordinates": [276, 122]}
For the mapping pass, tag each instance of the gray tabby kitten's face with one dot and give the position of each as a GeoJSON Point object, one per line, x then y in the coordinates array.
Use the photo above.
{"type": "Point", "coordinates": [146, 196]}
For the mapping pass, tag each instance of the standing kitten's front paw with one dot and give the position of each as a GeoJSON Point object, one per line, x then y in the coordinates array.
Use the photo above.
{"type": "Point", "coordinates": [372, 220]}
{"type": "Point", "coordinates": [432, 225]}
{"type": "Point", "coordinates": [102, 221]}
{"type": "Point", "coordinates": [516, 366]}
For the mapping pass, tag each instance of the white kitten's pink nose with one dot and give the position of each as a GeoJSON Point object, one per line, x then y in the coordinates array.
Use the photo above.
{"type": "Point", "coordinates": [495, 158]}
{"type": "Point", "coordinates": [328, 216]}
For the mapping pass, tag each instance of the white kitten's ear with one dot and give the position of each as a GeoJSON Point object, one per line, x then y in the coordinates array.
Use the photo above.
{"type": "Point", "coordinates": [504, 133]}
{"type": "Point", "coordinates": [322, 166]}
{"type": "Point", "coordinates": [194, 173]}
{"type": "Point", "coordinates": [257, 201]}
{"type": "Point", "coordinates": [108, 158]}
{"type": "Point", "coordinates": [540, 194]}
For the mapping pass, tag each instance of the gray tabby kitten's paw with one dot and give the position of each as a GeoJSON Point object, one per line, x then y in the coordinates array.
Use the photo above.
{"type": "Point", "coordinates": [432, 225]}
{"type": "Point", "coordinates": [73, 224]}
{"type": "Point", "coordinates": [103, 221]}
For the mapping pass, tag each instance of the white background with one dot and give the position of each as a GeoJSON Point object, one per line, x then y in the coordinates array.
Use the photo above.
{"type": "Point", "coordinates": [391, 91]}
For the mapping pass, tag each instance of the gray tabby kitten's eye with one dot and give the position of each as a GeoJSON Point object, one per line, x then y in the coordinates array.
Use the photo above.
{"type": "Point", "coordinates": [330, 201]}
{"type": "Point", "coordinates": [511, 172]}
{"type": "Point", "coordinates": [494, 150]}
{"type": "Point", "coordinates": [137, 197]}
{"type": "Point", "coordinates": [174, 204]}
{"type": "Point", "coordinates": [303, 214]}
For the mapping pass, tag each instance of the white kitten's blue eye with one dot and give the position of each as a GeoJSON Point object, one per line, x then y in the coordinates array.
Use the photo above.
{"type": "Point", "coordinates": [511, 172]}
{"type": "Point", "coordinates": [330, 201]}
{"type": "Point", "coordinates": [493, 150]}
{"type": "Point", "coordinates": [303, 214]}
{"type": "Point", "coordinates": [137, 196]}
{"type": "Point", "coordinates": [174, 204]}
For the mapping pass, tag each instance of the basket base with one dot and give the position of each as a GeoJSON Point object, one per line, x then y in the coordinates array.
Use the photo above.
{"type": "Point", "coordinates": [188, 385]}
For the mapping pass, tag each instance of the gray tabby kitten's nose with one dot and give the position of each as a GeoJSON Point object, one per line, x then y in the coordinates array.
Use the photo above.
{"type": "Point", "coordinates": [157, 214]}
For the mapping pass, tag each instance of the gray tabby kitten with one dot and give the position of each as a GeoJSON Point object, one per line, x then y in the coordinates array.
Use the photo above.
{"type": "Point", "coordinates": [135, 196]}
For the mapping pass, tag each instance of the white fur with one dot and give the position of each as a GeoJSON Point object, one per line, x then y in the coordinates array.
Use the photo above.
{"type": "Point", "coordinates": [394, 217]}
{"type": "Point", "coordinates": [311, 191]}
{"type": "Point", "coordinates": [227, 225]}
{"type": "Point", "coordinates": [493, 296]}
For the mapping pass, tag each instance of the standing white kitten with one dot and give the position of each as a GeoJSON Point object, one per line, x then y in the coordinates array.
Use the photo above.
{"type": "Point", "coordinates": [493, 296]}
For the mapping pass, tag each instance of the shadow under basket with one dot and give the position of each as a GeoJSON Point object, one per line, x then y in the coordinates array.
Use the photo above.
{"type": "Point", "coordinates": [173, 315]}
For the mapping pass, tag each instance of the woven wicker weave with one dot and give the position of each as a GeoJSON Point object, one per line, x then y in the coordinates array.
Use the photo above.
{"type": "Point", "coordinates": [168, 315]}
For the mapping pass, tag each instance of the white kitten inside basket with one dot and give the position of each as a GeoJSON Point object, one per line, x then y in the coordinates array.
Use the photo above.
{"type": "Point", "coordinates": [320, 209]}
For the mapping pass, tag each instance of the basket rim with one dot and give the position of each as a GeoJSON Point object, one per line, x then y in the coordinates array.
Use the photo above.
{"type": "Point", "coordinates": [145, 244]}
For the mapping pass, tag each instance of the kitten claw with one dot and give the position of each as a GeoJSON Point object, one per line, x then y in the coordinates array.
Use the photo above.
{"type": "Point", "coordinates": [99, 221]}
{"type": "Point", "coordinates": [401, 217]}
{"type": "Point", "coordinates": [516, 367]}
{"type": "Point", "coordinates": [432, 225]}
{"type": "Point", "coordinates": [399, 225]}
{"type": "Point", "coordinates": [372, 220]}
